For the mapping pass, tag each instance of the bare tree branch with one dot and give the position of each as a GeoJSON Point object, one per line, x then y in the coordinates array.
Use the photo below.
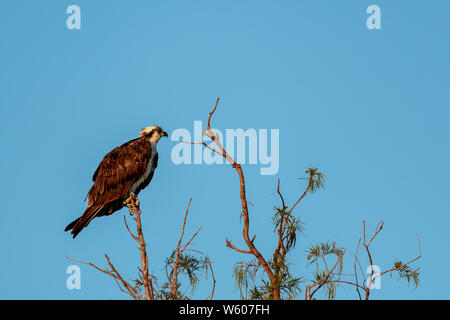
{"type": "Point", "coordinates": [114, 274]}
{"type": "Point", "coordinates": [133, 203]}
{"type": "Point", "coordinates": [245, 213]}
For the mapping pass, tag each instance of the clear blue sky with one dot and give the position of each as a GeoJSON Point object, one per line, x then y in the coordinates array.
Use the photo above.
{"type": "Point", "coordinates": [369, 108]}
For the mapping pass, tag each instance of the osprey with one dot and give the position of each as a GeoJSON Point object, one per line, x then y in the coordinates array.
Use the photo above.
{"type": "Point", "coordinates": [126, 169]}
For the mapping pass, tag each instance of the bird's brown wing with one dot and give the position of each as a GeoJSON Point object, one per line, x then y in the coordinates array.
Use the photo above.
{"type": "Point", "coordinates": [113, 179]}
{"type": "Point", "coordinates": [118, 170]}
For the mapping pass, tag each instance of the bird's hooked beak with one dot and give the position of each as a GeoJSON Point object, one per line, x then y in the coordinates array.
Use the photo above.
{"type": "Point", "coordinates": [164, 134]}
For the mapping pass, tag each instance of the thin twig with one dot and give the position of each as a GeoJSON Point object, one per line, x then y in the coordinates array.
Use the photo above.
{"type": "Point", "coordinates": [213, 278]}
{"type": "Point", "coordinates": [131, 202]}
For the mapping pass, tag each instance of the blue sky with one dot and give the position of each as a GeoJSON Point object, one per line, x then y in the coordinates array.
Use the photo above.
{"type": "Point", "coordinates": [369, 108]}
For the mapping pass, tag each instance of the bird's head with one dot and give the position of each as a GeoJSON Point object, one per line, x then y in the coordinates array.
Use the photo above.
{"type": "Point", "coordinates": [153, 133]}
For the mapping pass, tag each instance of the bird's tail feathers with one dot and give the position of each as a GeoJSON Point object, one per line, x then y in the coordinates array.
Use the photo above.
{"type": "Point", "coordinates": [79, 224]}
{"type": "Point", "coordinates": [70, 225]}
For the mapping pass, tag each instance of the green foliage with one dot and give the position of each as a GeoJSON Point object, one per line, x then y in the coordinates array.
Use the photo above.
{"type": "Point", "coordinates": [316, 180]}
{"type": "Point", "coordinates": [245, 275]}
{"type": "Point", "coordinates": [329, 276]}
{"type": "Point", "coordinates": [138, 283]}
{"type": "Point", "coordinates": [292, 226]}
{"type": "Point", "coordinates": [406, 272]}
{"type": "Point", "coordinates": [323, 249]}
{"type": "Point", "coordinates": [189, 266]}
{"type": "Point", "coordinates": [288, 284]}
{"type": "Point", "coordinates": [325, 275]}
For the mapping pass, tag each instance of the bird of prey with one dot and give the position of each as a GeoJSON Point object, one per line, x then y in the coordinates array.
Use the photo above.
{"type": "Point", "coordinates": [125, 170]}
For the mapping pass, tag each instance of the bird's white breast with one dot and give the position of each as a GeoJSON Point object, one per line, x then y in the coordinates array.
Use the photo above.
{"type": "Point", "coordinates": [148, 169]}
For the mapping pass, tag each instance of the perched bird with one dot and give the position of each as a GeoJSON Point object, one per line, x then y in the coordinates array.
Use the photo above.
{"type": "Point", "coordinates": [125, 170]}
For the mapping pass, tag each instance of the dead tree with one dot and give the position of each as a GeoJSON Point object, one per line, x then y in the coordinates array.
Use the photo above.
{"type": "Point", "coordinates": [286, 227]}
